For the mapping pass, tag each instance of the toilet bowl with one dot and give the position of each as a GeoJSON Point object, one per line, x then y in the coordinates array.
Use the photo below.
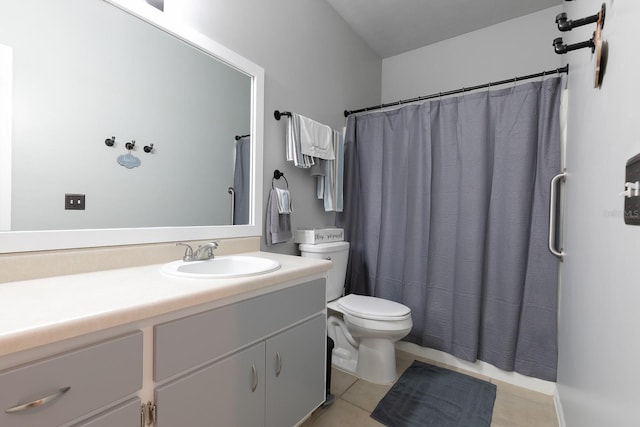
{"type": "Point", "coordinates": [363, 328]}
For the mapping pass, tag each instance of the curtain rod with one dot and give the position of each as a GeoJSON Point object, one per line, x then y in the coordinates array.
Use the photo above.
{"type": "Point", "coordinates": [560, 70]}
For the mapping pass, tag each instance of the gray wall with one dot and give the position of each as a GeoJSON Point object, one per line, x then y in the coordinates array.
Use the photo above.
{"type": "Point", "coordinates": [314, 65]}
{"type": "Point", "coordinates": [513, 48]}
{"type": "Point", "coordinates": [599, 322]}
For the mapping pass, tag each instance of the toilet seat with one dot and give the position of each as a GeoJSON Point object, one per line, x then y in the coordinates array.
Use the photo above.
{"type": "Point", "coordinates": [372, 308]}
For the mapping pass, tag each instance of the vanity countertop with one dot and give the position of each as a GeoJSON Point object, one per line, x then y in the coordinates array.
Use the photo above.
{"type": "Point", "coordinates": [43, 311]}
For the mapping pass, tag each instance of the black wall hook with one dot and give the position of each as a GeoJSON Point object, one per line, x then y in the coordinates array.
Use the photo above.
{"type": "Point", "coordinates": [110, 141]}
{"type": "Point", "coordinates": [565, 24]}
{"type": "Point", "coordinates": [130, 145]}
{"type": "Point", "coordinates": [148, 148]}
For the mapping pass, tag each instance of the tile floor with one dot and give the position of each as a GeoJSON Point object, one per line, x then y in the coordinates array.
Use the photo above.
{"type": "Point", "coordinates": [356, 399]}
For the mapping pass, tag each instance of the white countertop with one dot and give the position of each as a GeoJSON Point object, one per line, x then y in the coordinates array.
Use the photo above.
{"type": "Point", "coordinates": [43, 311]}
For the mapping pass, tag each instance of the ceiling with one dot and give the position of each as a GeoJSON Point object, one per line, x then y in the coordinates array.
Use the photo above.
{"type": "Point", "coordinates": [391, 27]}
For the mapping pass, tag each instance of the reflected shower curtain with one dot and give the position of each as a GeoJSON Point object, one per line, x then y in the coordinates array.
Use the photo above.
{"type": "Point", "coordinates": [241, 180]}
{"type": "Point", "coordinates": [446, 206]}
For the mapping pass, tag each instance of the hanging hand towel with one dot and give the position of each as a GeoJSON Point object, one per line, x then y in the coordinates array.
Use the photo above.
{"type": "Point", "coordinates": [284, 201]}
{"type": "Point", "coordinates": [278, 227]}
{"type": "Point", "coordinates": [332, 191]}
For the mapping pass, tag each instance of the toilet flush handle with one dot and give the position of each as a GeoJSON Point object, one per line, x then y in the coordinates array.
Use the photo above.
{"type": "Point", "coordinates": [328, 258]}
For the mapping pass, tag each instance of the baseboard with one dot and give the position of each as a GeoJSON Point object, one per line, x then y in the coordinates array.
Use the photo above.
{"type": "Point", "coordinates": [559, 412]}
{"type": "Point", "coordinates": [482, 368]}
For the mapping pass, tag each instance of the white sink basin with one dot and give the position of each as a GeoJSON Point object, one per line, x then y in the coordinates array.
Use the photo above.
{"type": "Point", "coordinates": [221, 267]}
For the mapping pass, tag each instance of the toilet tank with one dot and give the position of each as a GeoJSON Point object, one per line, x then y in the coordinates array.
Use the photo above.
{"type": "Point", "coordinates": [338, 252]}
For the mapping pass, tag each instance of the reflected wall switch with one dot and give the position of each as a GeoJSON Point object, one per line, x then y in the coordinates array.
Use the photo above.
{"type": "Point", "coordinates": [74, 202]}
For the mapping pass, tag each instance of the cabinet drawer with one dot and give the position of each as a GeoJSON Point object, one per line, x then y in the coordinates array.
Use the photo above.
{"type": "Point", "coordinates": [194, 340]}
{"type": "Point", "coordinates": [124, 415]}
{"type": "Point", "coordinates": [96, 376]}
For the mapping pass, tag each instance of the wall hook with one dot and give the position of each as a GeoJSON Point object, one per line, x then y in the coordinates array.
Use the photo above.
{"type": "Point", "coordinates": [110, 141]}
{"type": "Point", "coordinates": [148, 148]}
{"type": "Point", "coordinates": [565, 24]}
{"type": "Point", "coordinates": [130, 145]}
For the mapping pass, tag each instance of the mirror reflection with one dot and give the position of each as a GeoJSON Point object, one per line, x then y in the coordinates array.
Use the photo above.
{"type": "Point", "coordinates": [84, 72]}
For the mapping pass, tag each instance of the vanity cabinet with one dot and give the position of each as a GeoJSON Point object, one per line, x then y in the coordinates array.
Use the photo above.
{"type": "Point", "coordinates": [58, 390]}
{"type": "Point", "coordinates": [257, 362]}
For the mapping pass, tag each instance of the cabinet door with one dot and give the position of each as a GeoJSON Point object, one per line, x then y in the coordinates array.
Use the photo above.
{"type": "Point", "coordinates": [296, 372]}
{"type": "Point", "coordinates": [228, 393]}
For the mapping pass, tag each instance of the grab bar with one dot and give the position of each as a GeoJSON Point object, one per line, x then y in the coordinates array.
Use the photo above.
{"type": "Point", "coordinates": [553, 211]}
{"type": "Point", "coordinates": [232, 192]}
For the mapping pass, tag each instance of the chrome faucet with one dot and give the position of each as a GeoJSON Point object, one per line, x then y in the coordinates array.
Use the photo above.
{"type": "Point", "coordinates": [203, 252]}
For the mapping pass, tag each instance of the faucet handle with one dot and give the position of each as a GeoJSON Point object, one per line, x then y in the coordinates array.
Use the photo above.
{"type": "Point", "coordinates": [205, 251]}
{"type": "Point", "coordinates": [188, 252]}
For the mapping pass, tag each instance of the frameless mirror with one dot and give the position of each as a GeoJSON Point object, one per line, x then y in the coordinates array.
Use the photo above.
{"type": "Point", "coordinates": [120, 126]}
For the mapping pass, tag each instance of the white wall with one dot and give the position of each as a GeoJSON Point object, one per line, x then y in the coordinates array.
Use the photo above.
{"type": "Point", "coordinates": [516, 47]}
{"type": "Point", "coordinates": [314, 65]}
{"type": "Point", "coordinates": [599, 341]}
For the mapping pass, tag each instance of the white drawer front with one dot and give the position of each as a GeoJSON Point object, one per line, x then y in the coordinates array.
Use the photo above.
{"type": "Point", "coordinates": [96, 376]}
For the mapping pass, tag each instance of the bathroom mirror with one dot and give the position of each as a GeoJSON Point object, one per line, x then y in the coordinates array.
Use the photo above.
{"type": "Point", "coordinates": [76, 73]}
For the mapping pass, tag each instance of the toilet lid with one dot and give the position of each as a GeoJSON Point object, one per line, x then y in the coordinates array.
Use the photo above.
{"type": "Point", "coordinates": [373, 308]}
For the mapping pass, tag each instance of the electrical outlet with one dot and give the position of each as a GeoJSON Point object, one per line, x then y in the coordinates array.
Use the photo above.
{"type": "Point", "coordinates": [74, 201]}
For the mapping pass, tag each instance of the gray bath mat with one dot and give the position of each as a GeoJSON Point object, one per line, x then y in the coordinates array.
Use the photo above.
{"type": "Point", "coordinates": [429, 396]}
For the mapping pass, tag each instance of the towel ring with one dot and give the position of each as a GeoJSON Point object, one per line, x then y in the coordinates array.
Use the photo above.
{"type": "Point", "coordinates": [277, 175]}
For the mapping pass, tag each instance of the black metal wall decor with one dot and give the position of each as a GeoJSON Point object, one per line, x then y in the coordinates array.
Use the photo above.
{"type": "Point", "coordinates": [565, 24]}
{"type": "Point", "coordinates": [595, 43]}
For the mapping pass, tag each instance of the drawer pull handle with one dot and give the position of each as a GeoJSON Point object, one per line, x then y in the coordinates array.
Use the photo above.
{"type": "Point", "coordinates": [38, 402]}
{"type": "Point", "coordinates": [254, 383]}
{"type": "Point", "coordinates": [278, 364]}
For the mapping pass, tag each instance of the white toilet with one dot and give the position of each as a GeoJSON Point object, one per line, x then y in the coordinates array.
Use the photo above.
{"type": "Point", "coordinates": [364, 329]}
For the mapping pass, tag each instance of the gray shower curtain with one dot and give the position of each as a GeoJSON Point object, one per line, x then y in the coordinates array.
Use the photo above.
{"type": "Point", "coordinates": [446, 206]}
